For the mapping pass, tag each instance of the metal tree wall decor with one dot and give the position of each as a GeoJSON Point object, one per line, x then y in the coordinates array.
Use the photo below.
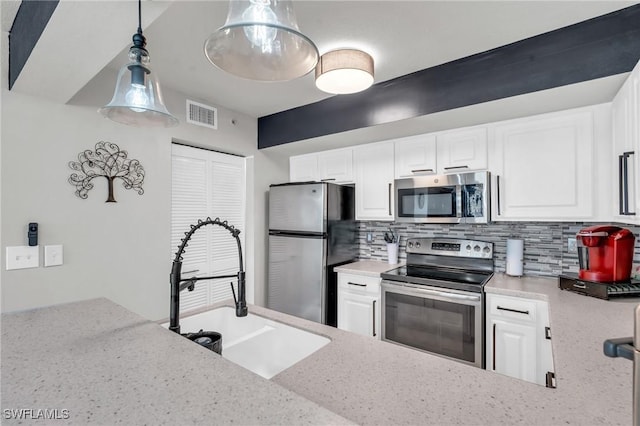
{"type": "Point", "coordinates": [107, 161]}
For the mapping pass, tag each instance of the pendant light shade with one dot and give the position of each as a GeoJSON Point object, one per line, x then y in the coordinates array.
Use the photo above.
{"type": "Point", "coordinates": [261, 41]}
{"type": "Point", "coordinates": [344, 71]}
{"type": "Point", "coordinates": [137, 100]}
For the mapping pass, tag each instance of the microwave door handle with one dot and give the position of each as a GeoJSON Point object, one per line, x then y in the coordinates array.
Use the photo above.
{"type": "Point", "coordinates": [390, 200]}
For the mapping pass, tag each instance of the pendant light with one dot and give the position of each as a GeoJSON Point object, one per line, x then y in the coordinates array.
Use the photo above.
{"type": "Point", "coordinates": [344, 71]}
{"type": "Point", "coordinates": [137, 100]}
{"type": "Point", "coordinates": [261, 41]}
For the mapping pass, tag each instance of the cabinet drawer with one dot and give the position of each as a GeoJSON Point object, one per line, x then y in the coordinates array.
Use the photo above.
{"type": "Point", "coordinates": [513, 308]}
{"type": "Point", "coordinates": [355, 282]}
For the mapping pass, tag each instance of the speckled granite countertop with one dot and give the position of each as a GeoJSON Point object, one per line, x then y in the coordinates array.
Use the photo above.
{"type": "Point", "coordinates": [372, 268]}
{"type": "Point", "coordinates": [380, 383]}
{"type": "Point", "coordinates": [107, 365]}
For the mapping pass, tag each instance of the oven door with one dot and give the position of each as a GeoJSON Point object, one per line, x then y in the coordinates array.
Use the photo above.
{"type": "Point", "coordinates": [432, 319]}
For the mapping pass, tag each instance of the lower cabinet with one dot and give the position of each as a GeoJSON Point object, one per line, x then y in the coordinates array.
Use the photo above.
{"type": "Point", "coordinates": [359, 304]}
{"type": "Point", "coordinates": [519, 339]}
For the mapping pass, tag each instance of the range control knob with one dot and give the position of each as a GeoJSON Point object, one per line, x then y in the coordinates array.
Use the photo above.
{"type": "Point", "coordinates": [476, 248]}
{"type": "Point", "coordinates": [417, 244]}
{"type": "Point", "coordinates": [468, 247]}
{"type": "Point", "coordinates": [410, 244]}
{"type": "Point", "coordinates": [486, 249]}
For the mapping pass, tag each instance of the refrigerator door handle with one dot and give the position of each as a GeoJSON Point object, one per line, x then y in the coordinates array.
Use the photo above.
{"type": "Point", "coordinates": [295, 234]}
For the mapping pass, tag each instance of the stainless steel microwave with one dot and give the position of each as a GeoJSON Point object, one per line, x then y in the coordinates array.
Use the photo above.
{"type": "Point", "coordinates": [455, 198]}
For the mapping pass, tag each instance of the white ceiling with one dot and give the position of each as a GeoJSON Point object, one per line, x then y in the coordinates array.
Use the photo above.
{"type": "Point", "coordinates": [402, 36]}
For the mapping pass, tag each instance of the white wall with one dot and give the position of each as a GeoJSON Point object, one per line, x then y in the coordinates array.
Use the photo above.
{"type": "Point", "coordinates": [116, 250]}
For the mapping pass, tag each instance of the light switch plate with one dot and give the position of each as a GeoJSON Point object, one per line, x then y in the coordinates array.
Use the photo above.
{"type": "Point", "coordinates": [22, 257]}
{"type": "Point", "coordinates": [53, 255]}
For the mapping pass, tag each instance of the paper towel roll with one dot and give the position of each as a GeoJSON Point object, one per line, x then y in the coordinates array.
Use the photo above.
{"type": "Point", "coordinates": [515, 257]}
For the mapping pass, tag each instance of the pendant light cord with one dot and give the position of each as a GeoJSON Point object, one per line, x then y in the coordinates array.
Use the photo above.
{"type": "Point", "coordinates": [139, 16]}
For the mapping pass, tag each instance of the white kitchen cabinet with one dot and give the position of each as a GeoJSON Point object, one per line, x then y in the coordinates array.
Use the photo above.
{"type": "Point", "coordinates": [374, 165]}
{"type": "Point", "coordinates": [518, 339]}
{"type": "Point", "coordinates": [462, 150]}
{"type": "Point", "coordinates": [303, 168]}
{"type": "Point", "coordinates": [514, 349]}
{"type": "Point", "coordinates": [543, 167]}
{"type": "Point", "coordinates": [415, 155]}
{"type": "Point", "coordinates": [626, 149]}
{"type": "Point", "coordinates": [359, 304]}
{"type": "Point", "coordinates": [334, 166]}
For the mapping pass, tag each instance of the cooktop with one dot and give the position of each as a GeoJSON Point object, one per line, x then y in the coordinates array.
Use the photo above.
{"type": "Point", "coordinates": [439, 277]}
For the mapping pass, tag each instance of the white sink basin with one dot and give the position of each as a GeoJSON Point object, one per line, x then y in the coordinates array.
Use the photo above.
{"type": "Point", "coordinates": [256, 343]}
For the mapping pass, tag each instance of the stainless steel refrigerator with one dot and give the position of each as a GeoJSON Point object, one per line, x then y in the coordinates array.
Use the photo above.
{"type": "Point", "coordinates": [312, 229]}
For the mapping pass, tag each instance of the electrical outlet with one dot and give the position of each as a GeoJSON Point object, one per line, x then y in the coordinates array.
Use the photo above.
{"type": "Point", "coordinates": [369, 237]}
{"type": "Point", "coordinates": [22, 257]}
{"type": "Point", "coordinates": [53, 255]}
{"type": "Point", "coordinates": [572, 245]}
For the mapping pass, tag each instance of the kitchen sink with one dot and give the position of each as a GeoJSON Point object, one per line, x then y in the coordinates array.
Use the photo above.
{"type": "Point", "coordinates": [258, 344]}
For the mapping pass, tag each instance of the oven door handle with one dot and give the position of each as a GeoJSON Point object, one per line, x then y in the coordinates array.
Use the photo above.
{"type": "Point", "coordinates": [448, 295]}
{"type": "Point", "coordinates": [443, 294]}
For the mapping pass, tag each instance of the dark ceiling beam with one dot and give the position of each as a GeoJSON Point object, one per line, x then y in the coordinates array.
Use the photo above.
{"type": "Point", "coordinates": [31, 19]}
{"type": "Point", "coordinates": [600, 47]}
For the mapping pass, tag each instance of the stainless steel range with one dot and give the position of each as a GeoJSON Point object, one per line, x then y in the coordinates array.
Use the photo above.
{"type": "Point", "coordinates": [436, 302]}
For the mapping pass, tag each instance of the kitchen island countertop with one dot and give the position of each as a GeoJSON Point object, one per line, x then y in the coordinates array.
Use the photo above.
{"type": "Point", "coordinates": [94, 362]}
{"type": "Point", "coordinates": [107, 365]}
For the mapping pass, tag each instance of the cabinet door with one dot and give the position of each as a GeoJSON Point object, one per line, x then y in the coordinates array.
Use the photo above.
{"type": "Point", "coordinates": [543, 167]}
{"type": "Point", "coordinates": [544, 348]}
{"type": "Point", "coordinates": [336, 166]}
{"type": "Point", "coordinates": [626, 149]}
{"type": "Point", "coordinates": [359, 313]}
{"type": "Point", "coordinates": [374, 181]}
{"type": "Point", "coordinates": [513, 349]}
{"type": "Point", "coordinates": [303, 168]}
{"type": "Point", "coordinates": [634, 131]}
{"type": "Point", "coordinates": [625, 155]}
{"type": "Point", "coordinates": [415, 156]}
{"type": "Point", "coordinates": [462, 150]}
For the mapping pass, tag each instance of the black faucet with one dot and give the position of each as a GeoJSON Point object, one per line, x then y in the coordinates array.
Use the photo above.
{"type": "Point", "coordinates": [178, 284]}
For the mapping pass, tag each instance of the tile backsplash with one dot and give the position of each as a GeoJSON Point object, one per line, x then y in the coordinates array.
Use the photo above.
{"type": "Point", "coordinates": [545, 243]}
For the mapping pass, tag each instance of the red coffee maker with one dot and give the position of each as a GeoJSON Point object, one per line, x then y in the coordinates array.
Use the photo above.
{"type": "Point", "coordinates": [605, 253]}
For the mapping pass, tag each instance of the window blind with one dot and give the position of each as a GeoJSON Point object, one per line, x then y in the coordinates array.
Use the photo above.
{"type": "Point", "coordinates": [206, 184]}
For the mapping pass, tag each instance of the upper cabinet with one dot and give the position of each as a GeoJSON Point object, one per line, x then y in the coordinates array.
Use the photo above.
{"type": "Point", "coordinates": [625, 111]}
{"type": "Point", "coordinates": [549, 167]}
{"type": "Point", "coordinates": [334, 166]}
{"type": "Point", "coordinates": [543, 167]}
{"type": "Point", "coordinates": [303, 168]}
{"type": "Point", "coordinates": [415, 155]}
{"type": "Point", "coordinates": [373, 165]}
{"type": "Point", "coordinates": [462, 150]}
